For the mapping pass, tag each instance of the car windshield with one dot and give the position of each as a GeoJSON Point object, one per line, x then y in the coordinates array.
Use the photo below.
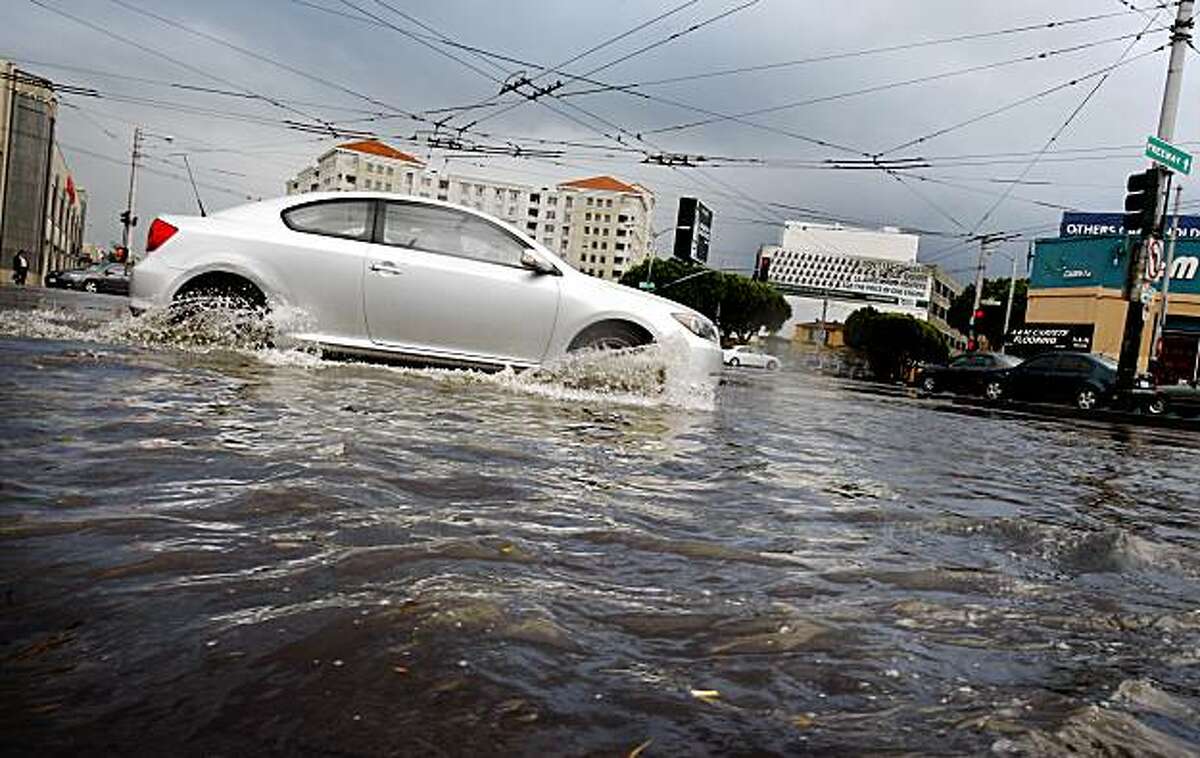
{"type": "Point", "coordinates": [1007, 361]}
{"type": "Point", "coordinates": [1105, 361]}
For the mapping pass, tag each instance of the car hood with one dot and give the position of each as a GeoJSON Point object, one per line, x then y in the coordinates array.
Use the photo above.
{"type": "Point", "coordinates": [629, 297]}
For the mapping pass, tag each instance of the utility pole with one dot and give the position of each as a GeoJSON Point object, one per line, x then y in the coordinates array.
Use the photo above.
{"type": "Point", "coordinates": [985, 242]}
{"type": "Point", "coordinates": [1160, 325]}
{"type": "Point", "coordinates": [1135, 316]}
{"type": "Point", "coordinates": [1012, 290]}
{"type": "Point", "coordinates": [985, 250]}
{"type": "Point", "coordinates": [127, 219]}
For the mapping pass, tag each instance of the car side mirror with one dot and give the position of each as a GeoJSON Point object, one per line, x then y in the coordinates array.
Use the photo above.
{"type": "Point", "coordinates": [534, 262]}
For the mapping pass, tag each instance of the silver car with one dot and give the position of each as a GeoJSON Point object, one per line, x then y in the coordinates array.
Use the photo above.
{"type": "Point", "coordinates": [387, 276]}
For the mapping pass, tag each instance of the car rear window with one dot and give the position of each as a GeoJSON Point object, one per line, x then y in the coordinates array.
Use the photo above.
{"type": "Point", "coordinates": [332, 218]}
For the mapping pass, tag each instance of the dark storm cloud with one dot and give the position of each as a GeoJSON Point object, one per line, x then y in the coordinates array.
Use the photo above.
{"type": "Point", "coordinates": [237, 158]}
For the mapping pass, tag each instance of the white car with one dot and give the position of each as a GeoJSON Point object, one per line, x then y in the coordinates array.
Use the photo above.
{"type": "Point", "coordinates": [747, 355]}
{"type": "Point", "coordinates": [412, 279]}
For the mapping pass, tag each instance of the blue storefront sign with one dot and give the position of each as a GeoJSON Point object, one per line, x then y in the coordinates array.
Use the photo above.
{"type": "Point", "coordinates": [1105, 224]}
{"type": "Point", "coordinates": [1102, 261]}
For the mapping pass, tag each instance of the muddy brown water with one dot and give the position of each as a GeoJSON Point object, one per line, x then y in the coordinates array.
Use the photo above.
{"type": "Point", "coordinates": [225, 552]}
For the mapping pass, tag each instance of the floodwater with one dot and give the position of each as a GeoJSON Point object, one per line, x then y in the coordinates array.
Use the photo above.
{"type": "Point", "coordinates": [217, 551]}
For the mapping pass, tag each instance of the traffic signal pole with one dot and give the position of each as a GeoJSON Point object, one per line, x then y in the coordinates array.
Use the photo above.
{"type": "Point", "coordinates": [985, 242]}
{"type": "Point", "coordinates": [1135, 314]}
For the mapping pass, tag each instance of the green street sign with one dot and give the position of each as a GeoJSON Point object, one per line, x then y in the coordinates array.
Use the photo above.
{"type": "Point", "coordinates": [1166, 154]}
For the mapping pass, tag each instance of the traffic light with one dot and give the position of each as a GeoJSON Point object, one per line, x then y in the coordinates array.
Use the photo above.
{"type": "Point", "coordinates": [1141, 204]}
{"type": "Point", "coordinates": [127, 219]}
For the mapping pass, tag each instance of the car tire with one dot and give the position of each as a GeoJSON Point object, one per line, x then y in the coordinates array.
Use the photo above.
{"type": "Point", "coordinates": [610, 336]}
{"type": "Point", "coordinates": [734, 362]}
{"type": "Point", "coordinates": [1087, 399]}
{"type": "Point", "coordinates": [993, 390]}
{"type": "Point", "coordinates": [245, 310]}
{"type": "Point", "coordinates": [772, 365]}
{"type": "Point", "coordinates": [929, 384]}
{"type": "Point", "coordinates": [1156, 406]}
{"type": "Point", "coordinates": [90, 287]}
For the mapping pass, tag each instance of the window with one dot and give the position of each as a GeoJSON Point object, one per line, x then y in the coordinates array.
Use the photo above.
{"type": "Point", "coordinates": [450, 232]}
{"type": "Point", "coordinates": [353, 179]}
{"type": "Point", "coordinates": [443, 184]}
{"type": "Point", "coordinates": [391, 170]}
{"type": "Point", "coordinates": [621, 232]}
{"type": "Point", "coordinates": [595, 245]}
{"type": "Point", "coordinates": [618, 246]}
{"type": "Point", "coordinates": [622, 218]}
{"type": "Point", "coordinates": [587, 217]}
{"type": "Point", "coordinates": [590, 202]}
{"type": "Point", "coordinates": [550, 228]}
{"type": "Point", "coordinates": [568, 202]}
{"type": "Point", "coordinates": [534, 197]}
{"type": "Point", "coordinates": [533, 212]}
{"type": "Point", "coordinates": [608, 203]}
{"type": "Point", "coordinates": [332, 218]}
{"type": "Point", "coordinates": [531, 226]}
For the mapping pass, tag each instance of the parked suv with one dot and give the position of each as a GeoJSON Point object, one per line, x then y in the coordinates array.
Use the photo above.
{"type": "Point", "coordinates": [1083, 379]}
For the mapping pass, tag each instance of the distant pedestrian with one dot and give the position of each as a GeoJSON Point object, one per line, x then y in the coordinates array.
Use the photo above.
{"type": "Point", "coordinates": [20, 267]}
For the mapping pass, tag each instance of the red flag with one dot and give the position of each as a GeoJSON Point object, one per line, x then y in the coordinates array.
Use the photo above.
{"type": "Point", "coordinates": [71, 188]}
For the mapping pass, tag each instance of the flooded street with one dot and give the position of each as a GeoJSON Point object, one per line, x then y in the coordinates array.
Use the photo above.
{"type": "Point", "coordinates": [222, 551]}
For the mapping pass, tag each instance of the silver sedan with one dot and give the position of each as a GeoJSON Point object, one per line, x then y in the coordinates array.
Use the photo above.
{"type": "Point", "coordinates": [381, 275]}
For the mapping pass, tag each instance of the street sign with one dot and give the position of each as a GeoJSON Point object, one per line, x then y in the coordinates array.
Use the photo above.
{"type": "Point", "coordinates": [1166, 154]}
{"type": "Point", "coordinates": [646, 285]}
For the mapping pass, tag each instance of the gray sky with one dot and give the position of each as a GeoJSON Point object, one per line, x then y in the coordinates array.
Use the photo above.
{"type": "Point", "coordinates": [242, 147]}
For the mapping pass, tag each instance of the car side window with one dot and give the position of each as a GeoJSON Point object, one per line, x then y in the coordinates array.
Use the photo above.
{"type": "Point", "coordinates": [1076, 364]}
{"type": "Point", "coordinates": [331, 218]}
{"type": "Point", "coordinates": [961, 361]}
{"type": "Point", "coordinates": [449, 232]}
{"type": "Point", "coordinates": [1041, 363]}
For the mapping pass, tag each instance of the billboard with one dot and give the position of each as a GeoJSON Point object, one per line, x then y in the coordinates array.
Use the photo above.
{"type": "Point", "coordinates": [1102, 224]}
{"type": "Point", "coordinates": [693, 230]}
{"type": "Point", "coordinates": [1101, 262]}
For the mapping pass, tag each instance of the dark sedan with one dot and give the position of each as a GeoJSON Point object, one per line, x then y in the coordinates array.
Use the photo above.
{"type": "Point", "coordinates": [1178, 399]}
{"type": "Point", "coordinates": [966, 373]}
{"type": "Point", "coordinates": [1085, 380]}
{"type": "Point", "coordinates": [112, 278]}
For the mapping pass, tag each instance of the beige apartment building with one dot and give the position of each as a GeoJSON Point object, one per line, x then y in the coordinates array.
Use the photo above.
{"type": "Point", "coordinates": [600, 225]}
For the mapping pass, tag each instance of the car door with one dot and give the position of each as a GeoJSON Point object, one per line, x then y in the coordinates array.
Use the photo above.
{"type": "Point", "coordinates": [318, 262]}
{"type": "Point", "coordinates": [116, 279]}
{"type": "Point", "coordinates": [1034, 378]}
{"type": "Point", "coordinates": [443, 282]}
{"type": "Point", "coordinates": [958, 374]}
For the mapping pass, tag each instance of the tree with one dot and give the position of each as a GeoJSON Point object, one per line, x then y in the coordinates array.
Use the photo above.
{"type": "Point", "coordinates": [740, 306]}
{"type": "Point", "coordinates": [992, 325]}
{"type": "Point", "coordinates": [893, 343]}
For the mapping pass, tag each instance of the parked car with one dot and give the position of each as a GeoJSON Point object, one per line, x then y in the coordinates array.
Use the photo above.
{"type": "Point", "coordinates": [1178, 399]}
{"type": "Point", "coordinates": [751, 356]}
{"type": "Point", "coordinates": [1083, 379]}
{"type": "Point", "coordinates": [409, 279]}
{"type": "Point", "coordinates": [967, 373]}
{"type": "Point", "coordinates": [112, 278]}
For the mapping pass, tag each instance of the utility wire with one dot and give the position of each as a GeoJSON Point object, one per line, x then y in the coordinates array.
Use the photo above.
{"type": "Point", "coordinates": [1019, 102]}
{"type": "Point", "coordinates": [792, 105]}
{"type": "Point", "coordinates": [878, 50]}
{"type": "Point", "coordinates": [183, 64]}
{"type": "Point", "coordinates": [1062, 128]}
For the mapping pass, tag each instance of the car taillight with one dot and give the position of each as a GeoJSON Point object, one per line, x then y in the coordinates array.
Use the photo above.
{"type": "Point", "coordinates": [160, 232]}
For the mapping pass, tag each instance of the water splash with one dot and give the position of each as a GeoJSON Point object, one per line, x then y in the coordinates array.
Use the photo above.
{"type": "Point", "coordinates": [653, 375]}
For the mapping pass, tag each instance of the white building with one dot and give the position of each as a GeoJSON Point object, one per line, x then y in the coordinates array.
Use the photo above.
{"type": "Point", "coordinates": [600, 225]}
{"type": "Point", "coordinates": [828, 271]}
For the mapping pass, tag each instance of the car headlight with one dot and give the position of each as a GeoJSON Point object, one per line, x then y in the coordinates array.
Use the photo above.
{"type": "Point", "coordinates": [698, 325]}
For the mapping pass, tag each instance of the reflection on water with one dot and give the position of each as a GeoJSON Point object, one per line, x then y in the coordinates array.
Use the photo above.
{"type": "Point", "coordinates": [217, 550]}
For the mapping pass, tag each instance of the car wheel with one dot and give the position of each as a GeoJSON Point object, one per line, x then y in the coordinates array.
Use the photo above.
{"type": "Point", "coordinates": [90, 287]}
{"type": "Point", "coordinates": [1087, 399]}
{"type": "Point", "coordinates": [609, 336]}
{"type": "Point", "coordinates": [994, 390]}
{"type": "Point", "coordinates": [1156, 406]}
{"type": "Point", "coordinates": [734, 362]}
{"type": "Point", "coordinates": [772, 365]}
{"type": "Point", "coordinates": [224, 313]}
{"type": "Point", "coordinates": [929, 384]}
